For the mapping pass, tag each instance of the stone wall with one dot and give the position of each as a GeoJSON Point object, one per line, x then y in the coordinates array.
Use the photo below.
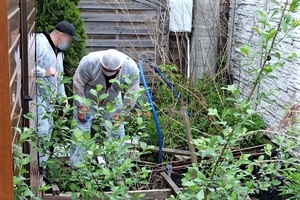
{"type": "Point", "coordinates": [287, 85]}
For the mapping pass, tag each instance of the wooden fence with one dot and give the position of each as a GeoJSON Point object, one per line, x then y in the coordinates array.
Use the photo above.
{"type": "Point", "coordinates": [138, 28]}
{"type": "Point", "coordinates": [20, 23]}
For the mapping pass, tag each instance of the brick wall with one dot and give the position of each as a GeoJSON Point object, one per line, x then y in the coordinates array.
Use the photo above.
{"type": "Point", "coordinates": [287, 85]}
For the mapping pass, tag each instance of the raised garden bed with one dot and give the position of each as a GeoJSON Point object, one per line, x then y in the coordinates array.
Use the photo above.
{"type": "Point", "coordinates": [166, 180]}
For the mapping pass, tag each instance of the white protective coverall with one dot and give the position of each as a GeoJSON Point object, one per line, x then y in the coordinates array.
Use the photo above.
{"type": "Point", "coordinates": [87, 76]}
{"type": "Point", "coordinates": [46, 58]}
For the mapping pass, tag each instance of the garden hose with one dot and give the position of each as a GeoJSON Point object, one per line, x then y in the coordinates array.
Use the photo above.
{"type": "Point", "coordinates": [175, 92]}
{"type": "Point", "coordinates": [159, 134]}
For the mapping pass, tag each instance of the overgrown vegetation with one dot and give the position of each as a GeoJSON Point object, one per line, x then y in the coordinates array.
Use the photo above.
{"type": "Point", "coordinates": [199, 97]}
{"type": "Point", "coordinates": [22, 191]}
{"type": "Point", "coordinates": [220, 175]}
{"type": "Point", "coordinates": [89, 178]}
{"type": "Point", "coordinates": [222, 120]}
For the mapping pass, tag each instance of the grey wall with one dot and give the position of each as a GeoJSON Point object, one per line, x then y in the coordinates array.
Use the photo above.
{"type": "Point", "coordinates": [242, 19]}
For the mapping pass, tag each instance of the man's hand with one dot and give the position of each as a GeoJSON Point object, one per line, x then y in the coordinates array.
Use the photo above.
{"type": "Point", "coordinates": [81, 113]}
{"type": "Point", "coordinates": [51, 72]}
{"type": "Point", "coordinates": [118, 118]}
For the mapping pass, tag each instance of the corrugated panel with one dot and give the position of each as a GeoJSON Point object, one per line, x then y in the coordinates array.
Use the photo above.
{"type": "Point", "coordinates": [181, 14]}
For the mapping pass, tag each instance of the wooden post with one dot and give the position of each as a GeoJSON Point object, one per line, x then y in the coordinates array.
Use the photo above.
{"type": "Point", "coordinates": [189, 137]}
{"type": "Point", "coordinates": [6, 172]}
{"type": "Point", "coordinates": [204, 47]}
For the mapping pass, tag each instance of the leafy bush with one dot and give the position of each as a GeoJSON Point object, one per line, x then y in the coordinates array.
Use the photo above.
{"type": "Point", "coordinates": [49, 13]}
{"type": "Point", "coordinates": [89, 179]}
{"type": "Point", "coordinates": [22, 191]}
{"type": "Point", "coordinates": [219, 174]}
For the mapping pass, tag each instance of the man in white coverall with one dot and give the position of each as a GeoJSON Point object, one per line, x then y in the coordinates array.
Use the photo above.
{"type": "Point", "coordinates": [49, 54]}
{"type": "Point", "coordinates": [98, 68]}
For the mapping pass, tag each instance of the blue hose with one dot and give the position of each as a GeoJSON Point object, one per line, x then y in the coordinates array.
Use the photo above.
{"type": "Point", "coordinates": [159, 134]}
{"type": "Point", "coordinates": [157, 70]}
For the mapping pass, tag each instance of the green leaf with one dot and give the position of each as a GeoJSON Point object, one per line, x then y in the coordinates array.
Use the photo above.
{"type": "Point", "coordinates": [271, 34]}
{"type": "Point", "coordinates": [212, 141]}
{"type": "Point", "coordinates": [284, 26]}
{"type": "Point", "coordinates": [73, 187]}
{"type": "Point", "coordinates": [268, 149]}
{"type": "Point", "coordinates": [245, 49]}
{"type": "Point", "coordinates": [94, 92]}
{"type": "Point", "coordinates": [294, 6]}
{"type": "Point", "coordinates": [103, 96]}
{"type": "Point", "coordinates": [74, 196]}
{"type": "Point", "coordinates": [287, 18]}
{"type": "Point", "coordinates": [275, 12]}
{"type": "Point", "coordinates": [268, 69]}
{"type": "Point", "coordinates": [233, 89]}
{"type": "Point", "coordinates": [291, 57]}
{"type": "Point", "coordinates": [139, 120]}
{"type": "Point", "coordinates": [29, 116]}
{"type": "Point", "coordinates": [262, 16]}
{"type": "Point", "coordinates": [108, 124]}
{"type": "Point", "coordinates": [115, 81]}
{"type": "Point", "coordinates": [250, 168]}
{"type": "Point", "coordinates": [200, 195]}
{"type": "Point", "coordinates": [66, 80]}
{"type": "Point", "coordinates": [143, 145]}
{"type": "Point", "coordinates": [295, 23]}
{"type": "Point", "coordinates": [81, 100]}
{"type": "Point", "coordinates": [77, 133]}
{"type": "Point", "coordinates": [213, 112]}
{"type": "Point", "coordinates": [88, 185]}
{"type": "Point", "coordinates": [249, 184]}
{"type": "Point", "coordinates": [99, 87]}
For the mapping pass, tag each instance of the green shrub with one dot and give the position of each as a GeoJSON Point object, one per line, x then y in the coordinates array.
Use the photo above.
{"type": "Point", "coordinates": [49, 13]}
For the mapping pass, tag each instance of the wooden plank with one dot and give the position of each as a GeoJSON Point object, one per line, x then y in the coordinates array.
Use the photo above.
{"type": "Point", "coordinates": [119, 43]}
{"type": "Point", "coordinates": [149, 194]}
{"type": "Point", "coordinates": [6, 167]}
{"type": "Point", "coordinates": [153, 3]}
{"type": "Point", "coordinates": [96, 17]}
{"type": "Point", "coordinates": [170, 182]}
{"type": "Point", "coordinates": [113, 6]}
{"type": "Point", "coordinates": [182, 158]}
{"type": "Point", "coordinates": [102, 30]}
{"type": "Point", "coordinates": [55, 189]}
{"type": "Point", "coordinates": [189, 136]}
{"type": "Point", "coordinates": [172, 151]}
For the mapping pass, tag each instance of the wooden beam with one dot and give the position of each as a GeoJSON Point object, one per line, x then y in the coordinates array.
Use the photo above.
{"type": "Point", "coordinates": [6, 169]}
{"type": "Point", "coordinates": [112, 17]}
{"type": "Point", "coordinates": [149, 194]}
{"type": "Point", "coordinates": [172, 151]}
{"type": "Point", "coordinates": [120, 43]}
{"type": "Point", "coordinates": [90, 6]}
{"type": "Point", "coordinates": [92, 29]}
{"type": "Point", "coordinates": [189, 138]}
{"type": "Point", "coordinates": [171, 183]}
{"type": "Point", "coordinates": [55, 189]}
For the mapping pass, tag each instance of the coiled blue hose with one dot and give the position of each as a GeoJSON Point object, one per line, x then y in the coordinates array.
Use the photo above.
{"type": "Point", "coordinates": [159, 134]}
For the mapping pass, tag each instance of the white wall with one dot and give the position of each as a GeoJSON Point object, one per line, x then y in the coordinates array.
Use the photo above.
{"type": "Point", "coordinates": [243, 17]}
